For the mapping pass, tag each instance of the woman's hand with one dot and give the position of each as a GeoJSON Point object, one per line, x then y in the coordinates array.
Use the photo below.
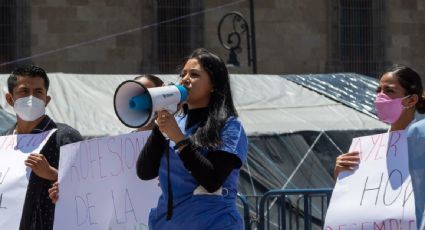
{"type": "Point", "coordinates": [347, 161]}
{"type": "Point", "coordinates": [54, 192]}
{"type": "Point", "coordinates": [168, 125]}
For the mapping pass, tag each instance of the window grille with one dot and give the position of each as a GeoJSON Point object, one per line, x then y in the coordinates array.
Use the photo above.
{"type": "Point", "coordinates": [358, 37]}
{"type": "Point", "coordinates": [14, 32]}
{"type": "Point", "coordinates": [176, 39]}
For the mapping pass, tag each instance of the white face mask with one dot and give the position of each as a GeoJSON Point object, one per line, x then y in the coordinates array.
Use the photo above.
{"type": "Point", "coordinates": [29, 108]}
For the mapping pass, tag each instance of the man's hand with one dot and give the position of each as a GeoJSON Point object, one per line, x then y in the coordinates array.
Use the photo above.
{"type": "Point", "coordinates": [41, 167]}
{"type": "Point", "coordinates": [54, 192]}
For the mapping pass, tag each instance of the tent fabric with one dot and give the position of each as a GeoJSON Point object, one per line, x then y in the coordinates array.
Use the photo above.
{"type": "Point", "coordinates": [354, 90]}
{"type": "Point", "coordinates": [6, 120]}
{"type": "Point", "coordinates": [303, 159]}
{"type": "Point", "coordinates": [267, 104]}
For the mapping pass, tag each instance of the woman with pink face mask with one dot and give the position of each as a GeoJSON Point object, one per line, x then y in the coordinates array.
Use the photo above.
{"type": "Point", "coordinates": [399, 96]}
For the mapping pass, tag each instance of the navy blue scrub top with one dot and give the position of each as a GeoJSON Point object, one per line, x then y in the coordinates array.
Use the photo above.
{"type": "Point", "coordinates": [204, 211]}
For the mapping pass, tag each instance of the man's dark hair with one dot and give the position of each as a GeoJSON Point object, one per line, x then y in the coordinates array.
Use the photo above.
{"type": "Point", "coordinates": [27, 71]}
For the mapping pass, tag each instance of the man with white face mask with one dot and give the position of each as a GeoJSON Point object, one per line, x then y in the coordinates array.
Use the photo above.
{"type": "Point", "coordinates": [28, 96]}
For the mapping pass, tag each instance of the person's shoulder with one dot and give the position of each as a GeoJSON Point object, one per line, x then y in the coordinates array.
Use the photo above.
{"type": "Point", "coordinates": [234, 138]}
{"type": "Point", "coordinates": [417, 128]}
{"type": "Point", "coordinates": [418, 124]}
{"type": "Point", "coordinates": [67, 133]}
{"type": "Point", "coordinates": [233, 121]}
{"type": "Point", "coordinates": [65, 127]}
{"type": "Point", "coordinates": [233, 124]}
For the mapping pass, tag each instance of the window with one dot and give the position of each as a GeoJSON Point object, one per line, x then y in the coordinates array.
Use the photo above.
{"type": "Point", "coordinates": [14, 32]}
{"type": "Point", "coordinates": [6, 28]}
{"type": "Point", "coordinates": [177, 38]}
{"type": "Point", "coordinates": [358, 36]}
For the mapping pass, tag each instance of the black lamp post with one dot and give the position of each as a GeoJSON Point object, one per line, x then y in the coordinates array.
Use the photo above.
{"type": "Point", "coordinates": [232, 42]}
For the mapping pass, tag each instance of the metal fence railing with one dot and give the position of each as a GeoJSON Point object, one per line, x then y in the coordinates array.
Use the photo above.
{"type": "Point", "coordinates": [246, 216]}
{"type": "Point", "coordinates": [287, 209]}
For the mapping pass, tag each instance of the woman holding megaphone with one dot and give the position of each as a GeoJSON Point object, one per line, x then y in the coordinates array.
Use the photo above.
{"type": "Point", "coordinates": [198, 163]}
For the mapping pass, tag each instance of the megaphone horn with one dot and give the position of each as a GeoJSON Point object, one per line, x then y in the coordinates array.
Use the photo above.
{"type": "Point", "coordinates": [135, 104]}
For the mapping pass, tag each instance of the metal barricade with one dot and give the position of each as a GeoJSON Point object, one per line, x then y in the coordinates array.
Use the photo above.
{"type": "Point", "coordinates": [246, 217]}
{"type": "Point", "coordinates": [292, 209]}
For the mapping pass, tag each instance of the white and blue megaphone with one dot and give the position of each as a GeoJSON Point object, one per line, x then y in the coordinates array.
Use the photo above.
{"type": "Point", "coordinates": [135, 105]}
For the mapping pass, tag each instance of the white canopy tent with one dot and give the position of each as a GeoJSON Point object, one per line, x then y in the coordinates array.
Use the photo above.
{"type": "Point", "coordinates": [267, 104]}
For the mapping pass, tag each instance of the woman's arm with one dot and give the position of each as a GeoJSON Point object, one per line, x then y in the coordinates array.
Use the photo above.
{"type": "Point", "coordinates": [210, 171]}
{"type": "Point", "coordinates": [147, 165]}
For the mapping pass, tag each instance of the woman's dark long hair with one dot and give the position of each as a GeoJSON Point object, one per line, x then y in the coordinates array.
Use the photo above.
{"type": "Point", "coordinates": [220, 106]}
{"type": "Point", "coordinates": [411, 82]}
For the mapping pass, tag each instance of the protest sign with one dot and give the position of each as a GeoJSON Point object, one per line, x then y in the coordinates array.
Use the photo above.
{"type": "Point", "coordinates": [99, 188]}
{"type": "Point", "coordinates": [14, 175]}
{"type": "Point", "coordinates": [378, 194]}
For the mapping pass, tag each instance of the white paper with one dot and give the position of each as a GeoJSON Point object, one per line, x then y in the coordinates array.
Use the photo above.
{"type": "Point", "coordinates": [99, 188]}
{"type": "Point", "coordinates": [14, 175]}
{"type": "Point", "coordinates": [378, 195]}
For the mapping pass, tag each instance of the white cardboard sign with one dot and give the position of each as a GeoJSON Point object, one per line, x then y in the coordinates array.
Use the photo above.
{"type": "Point", "coordinates": [377, 195]}
{"type": "Point", "coordinates": [14, 175]}
{"type": "Point", "coordinates": [99, 188]}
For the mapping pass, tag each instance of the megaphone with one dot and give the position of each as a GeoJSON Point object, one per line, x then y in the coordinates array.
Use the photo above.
{"type": "Point", "coordinates": [135, 105]}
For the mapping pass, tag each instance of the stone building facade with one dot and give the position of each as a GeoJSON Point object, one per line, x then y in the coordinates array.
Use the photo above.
{"type": "Point", "coordinates": [140, 36]}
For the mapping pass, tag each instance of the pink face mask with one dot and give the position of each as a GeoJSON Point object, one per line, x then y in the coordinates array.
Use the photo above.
{"type": "Point", "coordinates": [388, 110]}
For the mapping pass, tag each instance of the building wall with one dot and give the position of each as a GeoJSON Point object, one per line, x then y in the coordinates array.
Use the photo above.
{"type": "Point", "coordinates": [296, 45]}
{"type": "Point", "coordinates": [406, 34]}
{"type": "Point", "coordinates": [58, 24]}
{"type": "Point", "coordinates": [292, 36]}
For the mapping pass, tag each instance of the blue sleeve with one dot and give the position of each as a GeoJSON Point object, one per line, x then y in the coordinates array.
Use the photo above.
{"type": "Point", "coordinates": [416, 150]}
{"type": "Point", "coordinates": [234, 139]}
